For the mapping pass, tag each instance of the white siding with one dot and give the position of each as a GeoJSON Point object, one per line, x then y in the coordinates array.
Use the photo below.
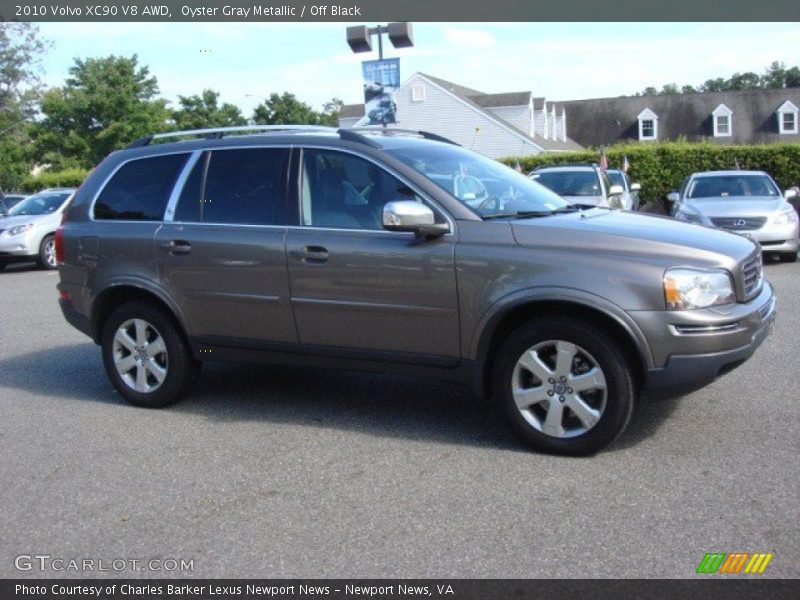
{"type": "Point", "coordinates": [540, 122]}
{"type": "Point", "coordinates": [449, 116]}
{"type": "Point", "coordinates": [518, 116]}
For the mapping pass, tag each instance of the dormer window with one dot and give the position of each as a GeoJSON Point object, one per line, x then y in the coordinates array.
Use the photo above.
{"type": "Point", "coordinates": [648, 125]}
{"type": "Point", "coordinates": [787, 118]}
{"type": "Point", "coordinates": [723, 124]}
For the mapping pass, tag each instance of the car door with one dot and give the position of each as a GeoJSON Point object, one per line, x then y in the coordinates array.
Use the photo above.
{"type": "Point", "coordinates": [221, 251]}
{"type": "Point", "coordinates": [357, 286]}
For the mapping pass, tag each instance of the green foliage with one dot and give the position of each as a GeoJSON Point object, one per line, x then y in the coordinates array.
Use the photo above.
{"type": "Point", "coordinates": [105, 104]}
{"type": "Point", "coordinates": [49, 179]}
{"type": "Point", "coordinates": [661, 167]}
{"type": "Point", "coordinates": [775, 76]}
{"type": "Point", "coordinates": [286, 109]}
{"type": "Point", "coordinates": [204, 111]}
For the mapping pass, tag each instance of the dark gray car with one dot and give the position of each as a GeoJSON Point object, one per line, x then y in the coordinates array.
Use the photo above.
{"type": "Point", "coordinates": [372, 250]}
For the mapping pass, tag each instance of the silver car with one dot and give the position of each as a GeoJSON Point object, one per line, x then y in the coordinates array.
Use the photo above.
{"type": "Point", "coordinates": [582, 185]}
{"type": "Point", "coordinates": [27, 232]}
{"type": "Point", "coordinates": [745, 202]}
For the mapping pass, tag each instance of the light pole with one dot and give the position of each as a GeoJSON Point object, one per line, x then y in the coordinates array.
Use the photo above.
{"type": "Point", "coordinates": [359, 37]}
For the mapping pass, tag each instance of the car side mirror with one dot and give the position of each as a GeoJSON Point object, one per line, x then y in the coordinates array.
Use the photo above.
{"type": "Point", "coordinates": [409, 215]}
{"type": "Point", "coordinates": [790, 193]}
{"type": "Point", "coordinates": [616, 190]}
{"type": "Point", "coordinates": [636, 187]}
{"type": "Point", "coordinates": [673, 198]}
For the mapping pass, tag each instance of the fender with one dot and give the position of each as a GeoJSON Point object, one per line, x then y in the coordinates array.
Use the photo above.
{"type": "Point", "coordinates": [145, 285]}
{"type": "Point", "coordinates": [497, 311]}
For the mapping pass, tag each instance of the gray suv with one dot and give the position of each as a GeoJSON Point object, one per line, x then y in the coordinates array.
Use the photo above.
{"type": "Point", "coordinates": [371, 249]}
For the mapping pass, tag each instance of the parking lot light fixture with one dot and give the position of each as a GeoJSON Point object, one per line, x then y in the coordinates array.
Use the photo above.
{"type": "Point", "coordinates": [359, 37]}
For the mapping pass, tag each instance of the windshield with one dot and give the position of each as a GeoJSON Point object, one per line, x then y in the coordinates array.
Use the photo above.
{"type": "Point", "coordinates": [570, 183]}
{"type": "Point", "coordinates": [40, 204]}
{"type": "Point", "coordinates": [486, 186]}
{"type": "Point", "coordinates": [722, 186]}
{"type": "Point", "coordinates": [617, 178]}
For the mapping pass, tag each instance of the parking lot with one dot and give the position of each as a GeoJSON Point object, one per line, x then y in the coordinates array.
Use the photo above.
{"type": "Point", "coordinates": [278, 472]}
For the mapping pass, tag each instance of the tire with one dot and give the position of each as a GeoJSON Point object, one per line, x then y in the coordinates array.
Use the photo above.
{"type": "Point", "coordinates": [3, 266]}
{"type": "Point", "coordinates": [788, 257]}
{"type": "Point", "coordinates": [47, 253]}
{"type": "Point", "coordinates": [164, 377]}
{"type": "Point", "coordinates": [591, 418]}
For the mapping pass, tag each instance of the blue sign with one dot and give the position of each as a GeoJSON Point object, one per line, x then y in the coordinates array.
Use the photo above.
{"type": "Point", "coordinates": [381, 81]}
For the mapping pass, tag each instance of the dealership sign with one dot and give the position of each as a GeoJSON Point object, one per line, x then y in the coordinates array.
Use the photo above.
{"type": "Point", "coordinates": [381, 81]}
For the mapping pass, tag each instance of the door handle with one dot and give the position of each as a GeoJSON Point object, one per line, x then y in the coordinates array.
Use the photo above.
{"type": "Point", "coordinates": [311, 254]}
{"type": "Point", "coordinates": [177, 247]}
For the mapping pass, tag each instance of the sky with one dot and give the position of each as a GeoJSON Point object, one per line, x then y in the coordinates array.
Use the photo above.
{"type": "Point", "coordinates": [560, 61]}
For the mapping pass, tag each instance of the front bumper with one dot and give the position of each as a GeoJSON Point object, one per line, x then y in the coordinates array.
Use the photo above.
{"type": "Point", "coordinates": [774, 238]}
{"type": "Point", "coordinates": [695, 347]}
{"type": "Point", "coordinates": [17, 247]}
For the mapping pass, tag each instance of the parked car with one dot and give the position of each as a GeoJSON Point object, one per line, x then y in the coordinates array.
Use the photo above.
{"type": "Point", "coordinates": [582, 184]}
{"type": "Point", "coordinates": [352, 249]}
{"type": "Point", "coordinates": [745, 202]}
{"type": "Point", "coordinates": [27, 232]}
{"type": "Point", "coordinates": [8, 201]}
{"type": "Point", "coordinates": [630, 199]}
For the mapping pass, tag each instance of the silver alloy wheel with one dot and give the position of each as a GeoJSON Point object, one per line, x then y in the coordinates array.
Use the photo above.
{"type": "Point", "coordinates": [559, 388]}
{"type": "Point", "coordinates": [50, 253]}
{"type": "Point", "coordinates": [140, 355]}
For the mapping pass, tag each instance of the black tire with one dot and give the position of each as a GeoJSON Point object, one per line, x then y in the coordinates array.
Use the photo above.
{"type": "Point", "coordinates": [608, 354]}
{"type": "Point", "coordinates": [44, 248]}
{"type": "Point", "coordinates": [181, 368]}
{"type": "Point", "coordinates": [788, 257]}
{"type": "Point", "coordinates": [3, 266]}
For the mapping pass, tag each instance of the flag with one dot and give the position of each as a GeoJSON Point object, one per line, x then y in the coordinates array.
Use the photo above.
{"type": "Point", "coordinates": [625, 164]}
{"type": "Point", "coordinates": [736, 162]}
{"type": "Point", "coordinates": [603, 159]}
{"type": "Point", "coordinates": [518, 167]}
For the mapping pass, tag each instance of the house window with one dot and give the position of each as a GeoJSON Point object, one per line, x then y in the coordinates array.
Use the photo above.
{"type": "Point", "coordinates": [648, 125]}
{"type": "Point", "coordinates": [418, 93]}
{"type": "Point", "coordinates": [787, 118]}
{"type": "Point", "coordinates": [722, 126]}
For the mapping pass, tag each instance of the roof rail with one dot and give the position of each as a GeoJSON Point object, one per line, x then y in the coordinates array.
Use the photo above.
{"type": "Point", "coordinates": [220, 132]}
{"type": "Point", "coordinates": [395, 130]}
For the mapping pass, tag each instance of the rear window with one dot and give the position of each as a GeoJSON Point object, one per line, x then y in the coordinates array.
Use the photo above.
{"type": "Point", "coordinates": [139, 191]}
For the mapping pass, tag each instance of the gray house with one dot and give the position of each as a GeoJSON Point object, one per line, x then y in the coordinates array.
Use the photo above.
{"type": "Point", "coordinates": [744, 117]}
{"type": "Point", "coordinates": [496, 125]}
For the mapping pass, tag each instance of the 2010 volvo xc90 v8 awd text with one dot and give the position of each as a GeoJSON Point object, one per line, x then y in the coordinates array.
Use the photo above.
{"type": "Point", "coordinates": [366, 249]}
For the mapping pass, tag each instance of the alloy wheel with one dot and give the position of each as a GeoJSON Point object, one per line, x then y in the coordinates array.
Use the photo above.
{"type": "Point", "coordinates": [140, 355]}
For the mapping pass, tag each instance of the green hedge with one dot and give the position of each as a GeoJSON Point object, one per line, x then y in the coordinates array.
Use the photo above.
{"type": "Point", "coordinates": [661, 167]}
{"type": "Point", "coordinates": [50, 179]}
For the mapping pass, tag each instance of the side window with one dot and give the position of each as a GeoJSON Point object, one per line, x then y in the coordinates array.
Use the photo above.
{"type": "Point", "coordinates": [139, 191]}
{"type": "Point", "coordinates": [246, 187]}
{"type": "Point", "coordinates": [343, 191]}
{"type": "Point", "coordinates": [188, 209]}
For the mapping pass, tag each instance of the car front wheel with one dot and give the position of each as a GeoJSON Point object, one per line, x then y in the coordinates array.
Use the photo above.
{"type": "Point", "coordinates": [146, 357]}
{"type": "Point", "coordinates": [565, 385]}
{"type": "Point", "coordinates": [47, 253]}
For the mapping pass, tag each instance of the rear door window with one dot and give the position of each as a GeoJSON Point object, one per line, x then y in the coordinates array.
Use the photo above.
{"type": "Point", "coordinates": [140, 189]}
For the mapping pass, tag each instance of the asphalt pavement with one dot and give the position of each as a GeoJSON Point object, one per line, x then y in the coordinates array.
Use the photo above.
{"type": "Point", "coordinates": [276, 472]}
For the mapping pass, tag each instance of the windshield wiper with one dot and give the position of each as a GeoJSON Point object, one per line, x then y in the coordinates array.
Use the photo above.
{"type": "Point", "coordinates": [531, 214]}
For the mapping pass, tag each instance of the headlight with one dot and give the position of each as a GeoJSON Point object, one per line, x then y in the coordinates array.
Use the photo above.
{"type": "Point", "coordinates": [17, 229]}
{"type": "Point", "coordinates": [688, 217]}
{"type": "Point", "coordinates": [785, 216]}
{"type": "Point", "coordinates": [690, 288]}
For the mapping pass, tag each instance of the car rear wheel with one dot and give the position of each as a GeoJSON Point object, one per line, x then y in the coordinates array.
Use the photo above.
{"type": "Point", "coordinates": [788, 257]}
{"type": "Point", "coordinates": [47, 253]}
{"type": "Point", "coordinates": [565, 385]}
{"type": "Point", "coordinates": [146, 356]}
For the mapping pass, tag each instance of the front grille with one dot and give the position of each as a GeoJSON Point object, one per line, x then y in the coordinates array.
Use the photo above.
{"type": "Point", "coordinates": [751, 272]}
{"type": "Point", "coordinates": [739, 223]}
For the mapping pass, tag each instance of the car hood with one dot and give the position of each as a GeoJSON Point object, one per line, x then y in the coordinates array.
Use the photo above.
{"type": "Point", "coordinates": [635, 235]}
{"type": "Point", "coordinates": [736, 206]}
{"type": "Point", "coordinates": [8, 222]}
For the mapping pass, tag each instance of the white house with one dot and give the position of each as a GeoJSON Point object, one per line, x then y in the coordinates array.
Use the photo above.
{"type": "Point", "coordinates": [496, 125]}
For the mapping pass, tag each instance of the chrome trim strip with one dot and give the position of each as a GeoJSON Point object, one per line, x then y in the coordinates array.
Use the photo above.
{"type": "Point", "coordinates": [177, 189]}
{"type": "Point", "coordinates": [705, 329]}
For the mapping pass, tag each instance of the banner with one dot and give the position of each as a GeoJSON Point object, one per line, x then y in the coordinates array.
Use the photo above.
{"type": "Point", "coordinates": [381, 81]}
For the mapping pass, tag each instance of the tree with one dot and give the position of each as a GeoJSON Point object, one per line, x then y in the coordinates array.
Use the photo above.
{"type": "Point", "coordinates": [285, 109]}
{"type": "Point", "coordinates": [203, 111]}
{"type": "Point", "coordinates": [330, 112]}
{"type": "Point", "coordinates": [744, 81]}
{"type": "Point", "coordinates": [669, 89]}
{"type": "Point", "coordinates": [21, 50]}
{"type": "Point", "coordinates": [105, 104]}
